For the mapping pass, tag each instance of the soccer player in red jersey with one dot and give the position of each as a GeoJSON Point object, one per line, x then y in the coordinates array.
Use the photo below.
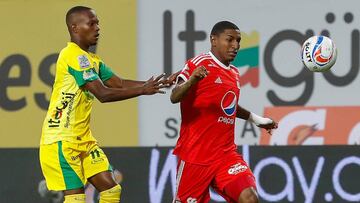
{"type": "Point", "coordinates": [208, 90]}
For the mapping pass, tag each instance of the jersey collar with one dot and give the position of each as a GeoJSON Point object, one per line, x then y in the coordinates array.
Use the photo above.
{"type": "Point", "coordinates": [218, 62]}
{"type": "Point", "coordinates": [73, 44]}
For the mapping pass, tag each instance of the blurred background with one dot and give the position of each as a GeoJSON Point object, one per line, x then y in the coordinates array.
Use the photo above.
{"type": "Point", "coordinates": [313, 156]}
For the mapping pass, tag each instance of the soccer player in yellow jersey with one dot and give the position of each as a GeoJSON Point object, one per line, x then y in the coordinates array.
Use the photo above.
{"type": "Point", "coordinates": [69, 154]}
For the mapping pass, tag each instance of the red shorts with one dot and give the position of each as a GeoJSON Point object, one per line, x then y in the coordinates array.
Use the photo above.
{"type": "Point", "coordinates": [228, 177]}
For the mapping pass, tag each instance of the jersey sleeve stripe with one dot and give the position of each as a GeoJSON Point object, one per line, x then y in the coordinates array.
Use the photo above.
{"type": "Point", "coordinates": [196, 57]}
{"type": "Point", "coordinates": [182, 76]}
{"type": "Point", "coordinates": [201, 60]}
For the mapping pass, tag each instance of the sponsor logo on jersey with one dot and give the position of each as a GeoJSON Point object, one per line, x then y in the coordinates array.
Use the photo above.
{"type": "Point", "coordinates": [88, 74]}
{"type": "Point", "coordinates": [226, 120]}
{"type": "Point", "coordinates": [228, 103]}
{"type": "Point", "coordinates": [83, 61]}
{"type": "Point", "coordinates": [211, 65]}
{"type": "Point", "coordinates": [75, 157]}
{"type": "Point", "coordinates": [237, 168]}
{"type": "Point", "coordinates": [218, 80]}
{"type": "Point", "coordinates": [66, 101]}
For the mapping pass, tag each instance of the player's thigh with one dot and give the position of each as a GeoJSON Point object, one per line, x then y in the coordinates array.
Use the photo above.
{"type": "Point", "coordinates": [233, 177]}
{"type": "Point", "coordinates": [97, 168]}
{"type": "Point", "coordinates": [61, 166]}
{"type": "Point", "coordinates": [249, 195]}
{"type": "Point", "coordinates": [192, 183]}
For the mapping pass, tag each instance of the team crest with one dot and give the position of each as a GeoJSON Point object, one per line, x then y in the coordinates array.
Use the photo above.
{"type": "Point", "coordinates": [83, 61]}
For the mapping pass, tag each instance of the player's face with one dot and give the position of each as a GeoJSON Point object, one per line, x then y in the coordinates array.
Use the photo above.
{"type": "Point", "coordinates": [88, 27]}
{"type": "Point", "coordinates": [226, 45]}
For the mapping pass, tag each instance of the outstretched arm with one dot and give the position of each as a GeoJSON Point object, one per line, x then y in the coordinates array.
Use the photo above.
{"type": "Point", "coordinates": [259, 121]}
{"type": "Point", "coordinates": [110, 94]}
{"type": "Point", "coordinates": [118, 82]}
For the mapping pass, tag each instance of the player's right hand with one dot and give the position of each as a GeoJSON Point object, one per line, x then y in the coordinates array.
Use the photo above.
{"type": "Point", "coordinates": [199, 74]}
{"type": "Point", "coordinates": [269, 127]}
{"type": "Point", "coordinates": [154, 85]}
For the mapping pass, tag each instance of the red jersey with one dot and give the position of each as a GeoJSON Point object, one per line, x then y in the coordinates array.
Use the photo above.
{"type": "Point", "coordinates": [208, 111]}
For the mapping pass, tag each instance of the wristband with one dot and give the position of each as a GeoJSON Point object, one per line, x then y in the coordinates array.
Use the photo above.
{"type": "Point", "coordinates": [258, 120]}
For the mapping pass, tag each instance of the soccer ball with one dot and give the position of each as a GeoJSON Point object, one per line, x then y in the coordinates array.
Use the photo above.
{"type": "Point", "coordinates": [318, 53]}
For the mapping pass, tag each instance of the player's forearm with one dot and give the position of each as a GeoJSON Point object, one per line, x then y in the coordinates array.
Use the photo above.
{"type": "Point", "coordinates": [242, 113]}
{"type": "Point", "coordinates": [252, 117]}
{"type": "Point", "coordinates": [180, 91]}
{"type": "Point", "coordinates": [132, 83]}
{"type": "Point", "coordinates": [118, 94]}
{"type": "Point", "coordinates": [117, 82]}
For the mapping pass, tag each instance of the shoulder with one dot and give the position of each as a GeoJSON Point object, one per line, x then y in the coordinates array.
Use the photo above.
{"type": "Point", "coordinates": [197, 60]}
{"type": "Point", "coordinates": [75, 58]}
{"type": "Point", "coordinates": [234, 69]}
{"type": "Point", "coordinates": [95, 57]}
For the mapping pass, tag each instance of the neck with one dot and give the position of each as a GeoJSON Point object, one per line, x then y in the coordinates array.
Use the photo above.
{"type": "Point", "coordinates": [83, 46]}
{"type": "Point", "coordinates": [217, 55]}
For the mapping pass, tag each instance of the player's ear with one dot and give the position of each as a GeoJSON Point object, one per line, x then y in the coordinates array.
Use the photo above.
{"type": "Point", "coordinates": [212, 40]}
{"type": "Point", "coordinates": [73, 28]}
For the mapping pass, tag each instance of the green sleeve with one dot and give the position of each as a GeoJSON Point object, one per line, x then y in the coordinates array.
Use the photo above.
{"type": "Point", "coordinates": [84, 76]}
{"type": "Point", "coordinates": [105, 72]}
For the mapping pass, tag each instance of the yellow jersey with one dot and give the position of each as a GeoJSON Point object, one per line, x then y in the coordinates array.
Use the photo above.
{"type": "Point", "coordinates": [68, 115]}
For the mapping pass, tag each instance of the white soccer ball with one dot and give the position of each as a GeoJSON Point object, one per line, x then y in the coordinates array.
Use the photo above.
{"type": "Point", "coordinates": [318, 53]}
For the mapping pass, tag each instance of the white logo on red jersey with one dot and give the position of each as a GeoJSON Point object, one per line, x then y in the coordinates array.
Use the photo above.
{"type": "Point", "coordinates": [211, 65]}
{"type": "Point", "coordinates": [218, 80]}
{"type": "Point", "coordinates": [237, 168]}
{"type": "Point", "coordinates": [226, 120]}
{"type": "Point", "coordinates": [177, 200]}
{"type": "Point", "coordinates": [191, 200]}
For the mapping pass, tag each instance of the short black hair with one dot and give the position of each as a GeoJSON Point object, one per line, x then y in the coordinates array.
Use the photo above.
{"type": "Point", "coordinates": [75, 9]}
{"type": "Point", "coordinates": [221, 26]}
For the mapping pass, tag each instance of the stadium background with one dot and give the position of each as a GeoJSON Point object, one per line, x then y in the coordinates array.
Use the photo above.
{"type": "Point", "coordinates": [142, 38]}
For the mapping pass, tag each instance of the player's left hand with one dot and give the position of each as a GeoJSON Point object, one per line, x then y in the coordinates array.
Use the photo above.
{"type": "Point", "coordinates": [269, 127]}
